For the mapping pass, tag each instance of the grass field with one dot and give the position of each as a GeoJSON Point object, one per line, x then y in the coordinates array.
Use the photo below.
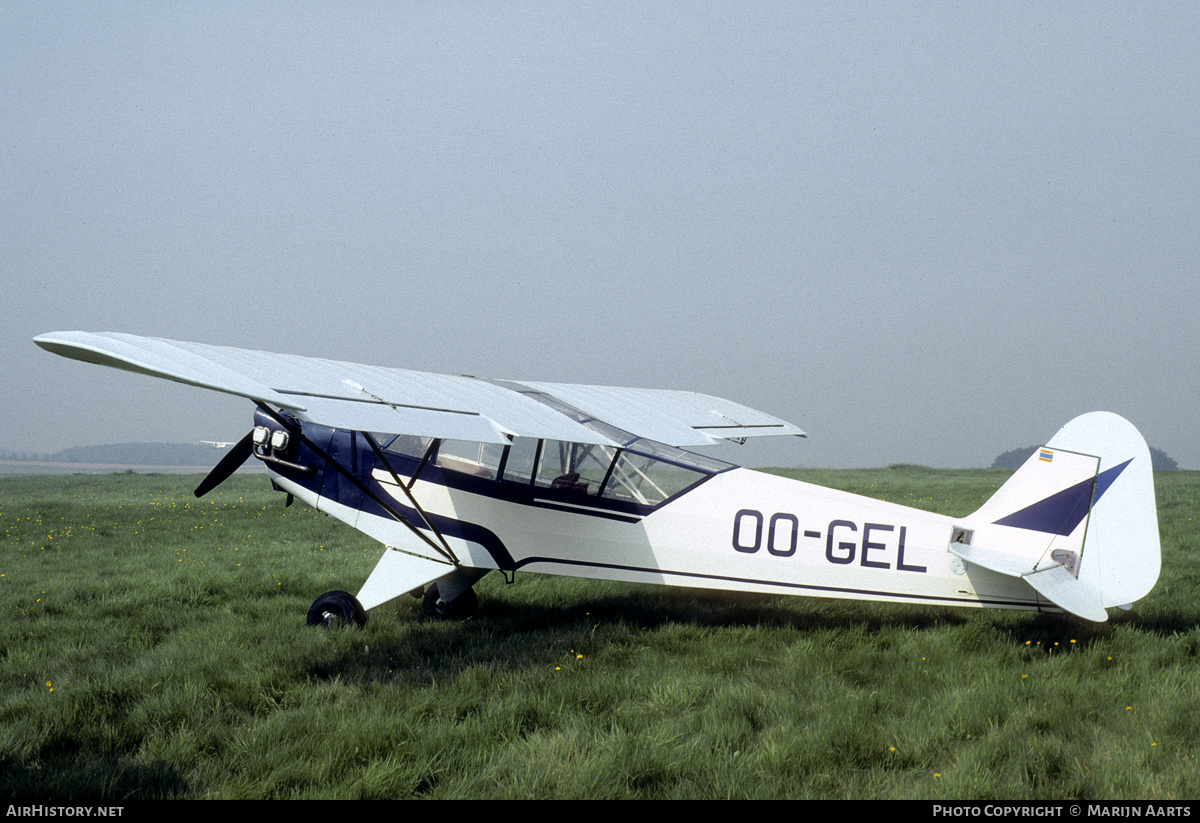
{"type": "Point", "coordinates": [154, 646]}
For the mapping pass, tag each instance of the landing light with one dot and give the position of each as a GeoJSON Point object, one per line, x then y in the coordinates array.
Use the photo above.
{"type": "Point", "coordinates": [279, 440]}
{"type": "Point", "coordinates": [261, 435]}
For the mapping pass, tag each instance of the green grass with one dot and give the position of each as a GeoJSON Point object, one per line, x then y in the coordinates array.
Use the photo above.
{"type": "Point", "coordinates": [153, 646]}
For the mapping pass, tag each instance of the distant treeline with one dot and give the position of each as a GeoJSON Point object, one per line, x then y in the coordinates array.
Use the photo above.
{"type": "Point", "coordinates": [127, 454]}
{"type": "Point", "coordinates": [1015, 458]}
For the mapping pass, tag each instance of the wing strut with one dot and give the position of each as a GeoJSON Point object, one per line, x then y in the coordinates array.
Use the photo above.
{"type": "Point", "coordinates": [407, 493]}
{"type": "Point", "coordinates": [443, 550]}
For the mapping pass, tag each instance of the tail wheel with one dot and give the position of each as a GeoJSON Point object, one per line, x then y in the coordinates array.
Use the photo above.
{"type": "Point", "coordinates": [336, 608]}
{"type": "Point", "coordinates": [460, 608]}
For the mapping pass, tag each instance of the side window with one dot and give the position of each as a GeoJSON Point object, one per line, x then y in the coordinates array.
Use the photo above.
{"type": "Point", "coordinates": [467, 457]}
{"type": "Point", "coordinates": [519, 466]}
{"type": "Point", "coordinates": [405, 444]}
{"type": "Point", "coordinates": [575, 466]}
{"type": "Point", "coordinates": [642, 479]}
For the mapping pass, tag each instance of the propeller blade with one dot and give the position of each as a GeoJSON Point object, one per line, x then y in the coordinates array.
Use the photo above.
{"type": "Point", "coordinates": [230, 463]}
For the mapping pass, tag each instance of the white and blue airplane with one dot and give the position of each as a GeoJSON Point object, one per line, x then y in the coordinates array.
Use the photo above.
{"type": "Point", "coordinates": [460, 476]}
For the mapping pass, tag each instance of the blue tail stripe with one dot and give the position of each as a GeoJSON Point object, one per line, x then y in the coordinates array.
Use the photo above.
{"type": "Point", "coordinates": [1061, 512]}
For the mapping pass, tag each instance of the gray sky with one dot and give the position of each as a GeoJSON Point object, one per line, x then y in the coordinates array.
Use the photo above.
{"type": "Point", "coordinates": [924, 232]}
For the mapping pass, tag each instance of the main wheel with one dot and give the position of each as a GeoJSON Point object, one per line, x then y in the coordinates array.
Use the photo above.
{"type": "Point", "coordinates": [460, 608]}
{"type": "Point", "coordinates": [336, 608]}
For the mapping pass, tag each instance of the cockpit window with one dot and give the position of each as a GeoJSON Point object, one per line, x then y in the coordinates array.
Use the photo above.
{"type": "Point", "coordinates": [467, 457]}
{"type": "Point", "coordinates": [522, 455]}
{"type": "Point", "coordinates": [649, 473]}
{"type": "Point", "coordinates": [405, 444]}
{"type": "Point", "coordinates": [580, 467]}
{"type": "Point", "coordinates": [643, 472]}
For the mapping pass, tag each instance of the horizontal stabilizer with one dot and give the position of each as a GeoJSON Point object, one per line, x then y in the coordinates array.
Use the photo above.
{"type": "Point", "coordinates": [1060, 587]}
{"type": "Point", "coordinates": [1007, 564]}
{"type": "Point", "coordinates": [1055, 583]}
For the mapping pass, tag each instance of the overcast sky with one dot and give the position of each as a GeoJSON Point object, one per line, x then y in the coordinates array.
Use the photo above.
{"type": "Point", "coordinates": [923, 232]}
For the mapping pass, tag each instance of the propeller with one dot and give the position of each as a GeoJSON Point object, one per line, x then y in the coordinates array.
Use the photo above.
{"type": "Point", "coordinates": [230, 463]}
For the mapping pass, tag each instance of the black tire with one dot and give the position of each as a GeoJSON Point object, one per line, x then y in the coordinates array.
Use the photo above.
{"type": "Point", "coordinates": [336, 608]}
{"type": "Point", "coordinates": [460, 608]}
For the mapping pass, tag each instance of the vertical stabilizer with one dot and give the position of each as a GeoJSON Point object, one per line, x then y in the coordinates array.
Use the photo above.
{"type": "Point", "coordinates": [1077, 521]}
{"type": "Point", "coordinates": [1121, 554]}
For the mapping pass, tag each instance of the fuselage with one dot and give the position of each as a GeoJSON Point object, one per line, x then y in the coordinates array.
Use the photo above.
{"type": "Point", "coordinates": [666, 517]}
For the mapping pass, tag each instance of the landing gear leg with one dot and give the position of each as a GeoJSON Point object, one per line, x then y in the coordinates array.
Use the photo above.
{"type": "Point", "coordinates": [452, 597]}
{"type": "Point", "coordinates": [460, 608]}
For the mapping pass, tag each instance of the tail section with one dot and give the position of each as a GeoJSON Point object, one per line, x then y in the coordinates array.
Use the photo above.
{"type": "Point", "coordinates": [1077, 521]}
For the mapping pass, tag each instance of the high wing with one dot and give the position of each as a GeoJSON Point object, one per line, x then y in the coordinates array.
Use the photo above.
{"type": "Point", "coordinates": [456, 407]}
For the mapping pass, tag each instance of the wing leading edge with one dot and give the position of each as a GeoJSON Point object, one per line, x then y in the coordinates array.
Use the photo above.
{"type": "Point", "coordinates": [372, 398]}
